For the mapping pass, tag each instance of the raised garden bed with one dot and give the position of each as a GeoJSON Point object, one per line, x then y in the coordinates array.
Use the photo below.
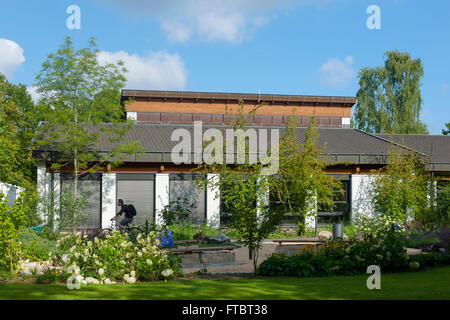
{"type": "Point", "coordinates": [193, 252]}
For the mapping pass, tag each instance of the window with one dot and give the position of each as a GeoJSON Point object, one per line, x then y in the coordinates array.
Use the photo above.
{"type": "Point", "coordinates": [337, 211]}
{"type": "Point", "coordinates": [137, 189]}
{"type": "Point", "coordinates": [275, 205]}
{"type": "Point", "coordinates": [90, 186]}
{"type": "Point", "coordinates": [183, 186]}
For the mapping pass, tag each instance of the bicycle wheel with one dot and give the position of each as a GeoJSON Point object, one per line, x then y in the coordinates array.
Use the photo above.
{"type": "Point", "coordinates": [133, 232]}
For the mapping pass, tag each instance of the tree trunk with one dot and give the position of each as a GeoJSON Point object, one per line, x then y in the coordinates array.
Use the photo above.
{"type": "Point", "coordinates": [75, 190]}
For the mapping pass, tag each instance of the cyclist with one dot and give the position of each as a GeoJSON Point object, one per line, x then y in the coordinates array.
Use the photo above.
{"type": "Point", "coordinates": [128, 215]}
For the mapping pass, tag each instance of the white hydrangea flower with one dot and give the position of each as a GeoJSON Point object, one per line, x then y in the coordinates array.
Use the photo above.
{"type": "Point", "coordinates": [166, 273]}
{"type": "Point", "coordinates": [139, 254]}
{"type": "Point", "coordinates": [129, 279]}
{"type": "Point", "coordinates": [149, 262]}
{"type": "Point", "coordinates": [101, 271]}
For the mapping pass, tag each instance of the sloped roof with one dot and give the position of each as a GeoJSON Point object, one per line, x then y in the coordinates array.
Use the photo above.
{"type": "Point", "coordinates": [342, 144]}
{"type": "Point", "coordinates": [437, 147]}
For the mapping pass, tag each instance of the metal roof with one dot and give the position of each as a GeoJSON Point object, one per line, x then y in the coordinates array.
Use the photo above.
{"type": "Point", "coordinates": [342, 144]}
{"type": "Point", "coordinates": [437, 147]}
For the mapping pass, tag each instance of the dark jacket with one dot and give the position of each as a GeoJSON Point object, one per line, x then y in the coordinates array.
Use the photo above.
{"type": "Point", "coordinates": [125, 208]}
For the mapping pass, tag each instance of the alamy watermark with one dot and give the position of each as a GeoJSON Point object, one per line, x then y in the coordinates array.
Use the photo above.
{"type": "Point", "coordinates": [74, 20]}
{"type": "Point", "coordinates": [374, 281]}
{"type": "Point", "coordinates": [241, 146]}
{"type": "Point", "coordinates": [374, 20]}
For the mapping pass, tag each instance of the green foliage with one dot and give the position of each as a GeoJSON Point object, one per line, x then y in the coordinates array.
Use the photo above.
{"type": "Point", "coordinates": [446, 131]}
{"type": "Point", "coordinates": [49, 276]}
{"type": "Point", "coordinates": [34, 246]}
{"type": "Point", "coordinates": [420, 239]}
{"type": "Point", "coordinates": [78, 92]}
{"type": "Point", "coordinates": [12, 220]}
{"type": "Point", "coordinates": [340, 258]}
{"type": "Point", "coordinates": [432, 259]}
{"type": "Point", "coordinates": [437, 214]}
{"type": "Point", "coordinates": [69, 212]}
{"type": "Point", "coordinates": [303, 180]}
{"type": "Point", "coordinates": [17, 127]}
{"type": "Point", "coordinates": [243, 188]}
{"type": "Point", "coordinates": [177, 212]}
{"type": "Point", "coordinates": [187, 230]}
{"type": "Point", "coordinates": [401, 188]}
{"type": "Point", "coordinates": [117, 258]}
{"type": "Point", "coordinates": [389, 99]}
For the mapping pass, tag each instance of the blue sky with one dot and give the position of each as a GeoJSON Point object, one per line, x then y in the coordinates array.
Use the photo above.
{"type": "Point", "coordinates": [311, 47]}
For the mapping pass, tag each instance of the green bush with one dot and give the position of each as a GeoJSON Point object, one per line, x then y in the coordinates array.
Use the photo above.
{"type": "Point", "coordinates": [12, 221]}
{"type": "Point", "coordinates": [432, 259]}
{"type": "Point", "coordinates": [340, 258]}
{"type": "Point", "coordinates": [420, 239]}
{"type": "Point", "coordinates": [177, 212]}
{"type": "Point", "coordinates": [116, 258]}
{"type": "Point", "coordinates": [34, 246]}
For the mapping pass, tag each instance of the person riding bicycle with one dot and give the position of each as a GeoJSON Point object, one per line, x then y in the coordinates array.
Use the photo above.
{"type": "Point", "coordinates": [128, 215]}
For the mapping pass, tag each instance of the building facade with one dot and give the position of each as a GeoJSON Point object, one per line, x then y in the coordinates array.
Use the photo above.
{"type": "Point", "coordinates": [151, 180]}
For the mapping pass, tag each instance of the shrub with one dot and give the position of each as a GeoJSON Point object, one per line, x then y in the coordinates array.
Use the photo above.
{"type": "Point", "coordinates": [340, 258]}
{"type": "Point", "coordinates": [432, 259]}
{"type": "Point", "coordinates": [11, 221]}
{"type": "Point", "coordinates": [35, 247]}
{"type": "Point", "coordinates": [177, 212]}
{"type": "Point", "coordinates": [117, 258]}
{"type": "Point", "coordinates": [444, 237]}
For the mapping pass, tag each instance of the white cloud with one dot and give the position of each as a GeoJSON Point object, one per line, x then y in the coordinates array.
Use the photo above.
{"type": "Point", "coordinates": [156, 71]}
{"type": "Point", "coordinates": [337, 73]}
{"type": "Point", "coordinates": [224, 20]}
{"type": "Point", "coordinates": [11, 57]}
{"type": "Point", "coordinates": [177, 32]}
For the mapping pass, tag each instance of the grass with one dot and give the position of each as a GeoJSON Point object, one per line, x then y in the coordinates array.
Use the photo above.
{"type": "Point", "coordinates": [430, 285]}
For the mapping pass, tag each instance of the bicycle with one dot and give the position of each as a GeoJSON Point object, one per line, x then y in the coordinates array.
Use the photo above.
{"type": "Point", "coordinates": [132, 231]}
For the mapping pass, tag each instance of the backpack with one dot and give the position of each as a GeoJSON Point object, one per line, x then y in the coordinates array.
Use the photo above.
{"type": "Point", "coordinates": [132, 210]}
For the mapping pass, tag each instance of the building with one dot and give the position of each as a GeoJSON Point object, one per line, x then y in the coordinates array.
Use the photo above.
{"type": "Point", "coordinates": [151, 180]}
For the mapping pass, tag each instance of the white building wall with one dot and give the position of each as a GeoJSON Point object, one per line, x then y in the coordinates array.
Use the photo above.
{"type": "Point", "coordinates": [56, 194]}
{"type": "Point", "coordinates": [108, 198]}
{"type": "Point", "coordinates": [161, 195]}
{"type": "Point", "coordinates": [213, 203]}
{"type": "Point", "coordinates": [43, 187]}
{"type": "Point", "coordinates": [361, 187]}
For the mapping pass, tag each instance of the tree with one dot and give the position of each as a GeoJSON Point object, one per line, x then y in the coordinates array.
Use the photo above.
{"type": "Point", "coordinates": [401, 189]}
{"type": "Point", "coordinates": [17, 127]}
{"type": "Point", "coordinates": [244, 189]}
{"type": "Point", "coordinates": [77, 94]}
{"type": "Point", "coordinates": [389, 99]}
{"type": "Point", "coordinates": [304, 181]}
{"type": "Point", "coordinates": [445, 132]}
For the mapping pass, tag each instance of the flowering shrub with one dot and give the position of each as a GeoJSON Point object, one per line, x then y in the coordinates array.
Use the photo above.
{"type": "Point", "coordinates": [116, 258]}
{"type": "Point", "coordinates": [375, 226]}
{"type": "Point", "coordinates": [341, 258]}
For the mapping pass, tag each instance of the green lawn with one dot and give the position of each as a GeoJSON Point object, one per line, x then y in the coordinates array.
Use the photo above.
{"type": "Point", "coordinates": [430, 284]}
